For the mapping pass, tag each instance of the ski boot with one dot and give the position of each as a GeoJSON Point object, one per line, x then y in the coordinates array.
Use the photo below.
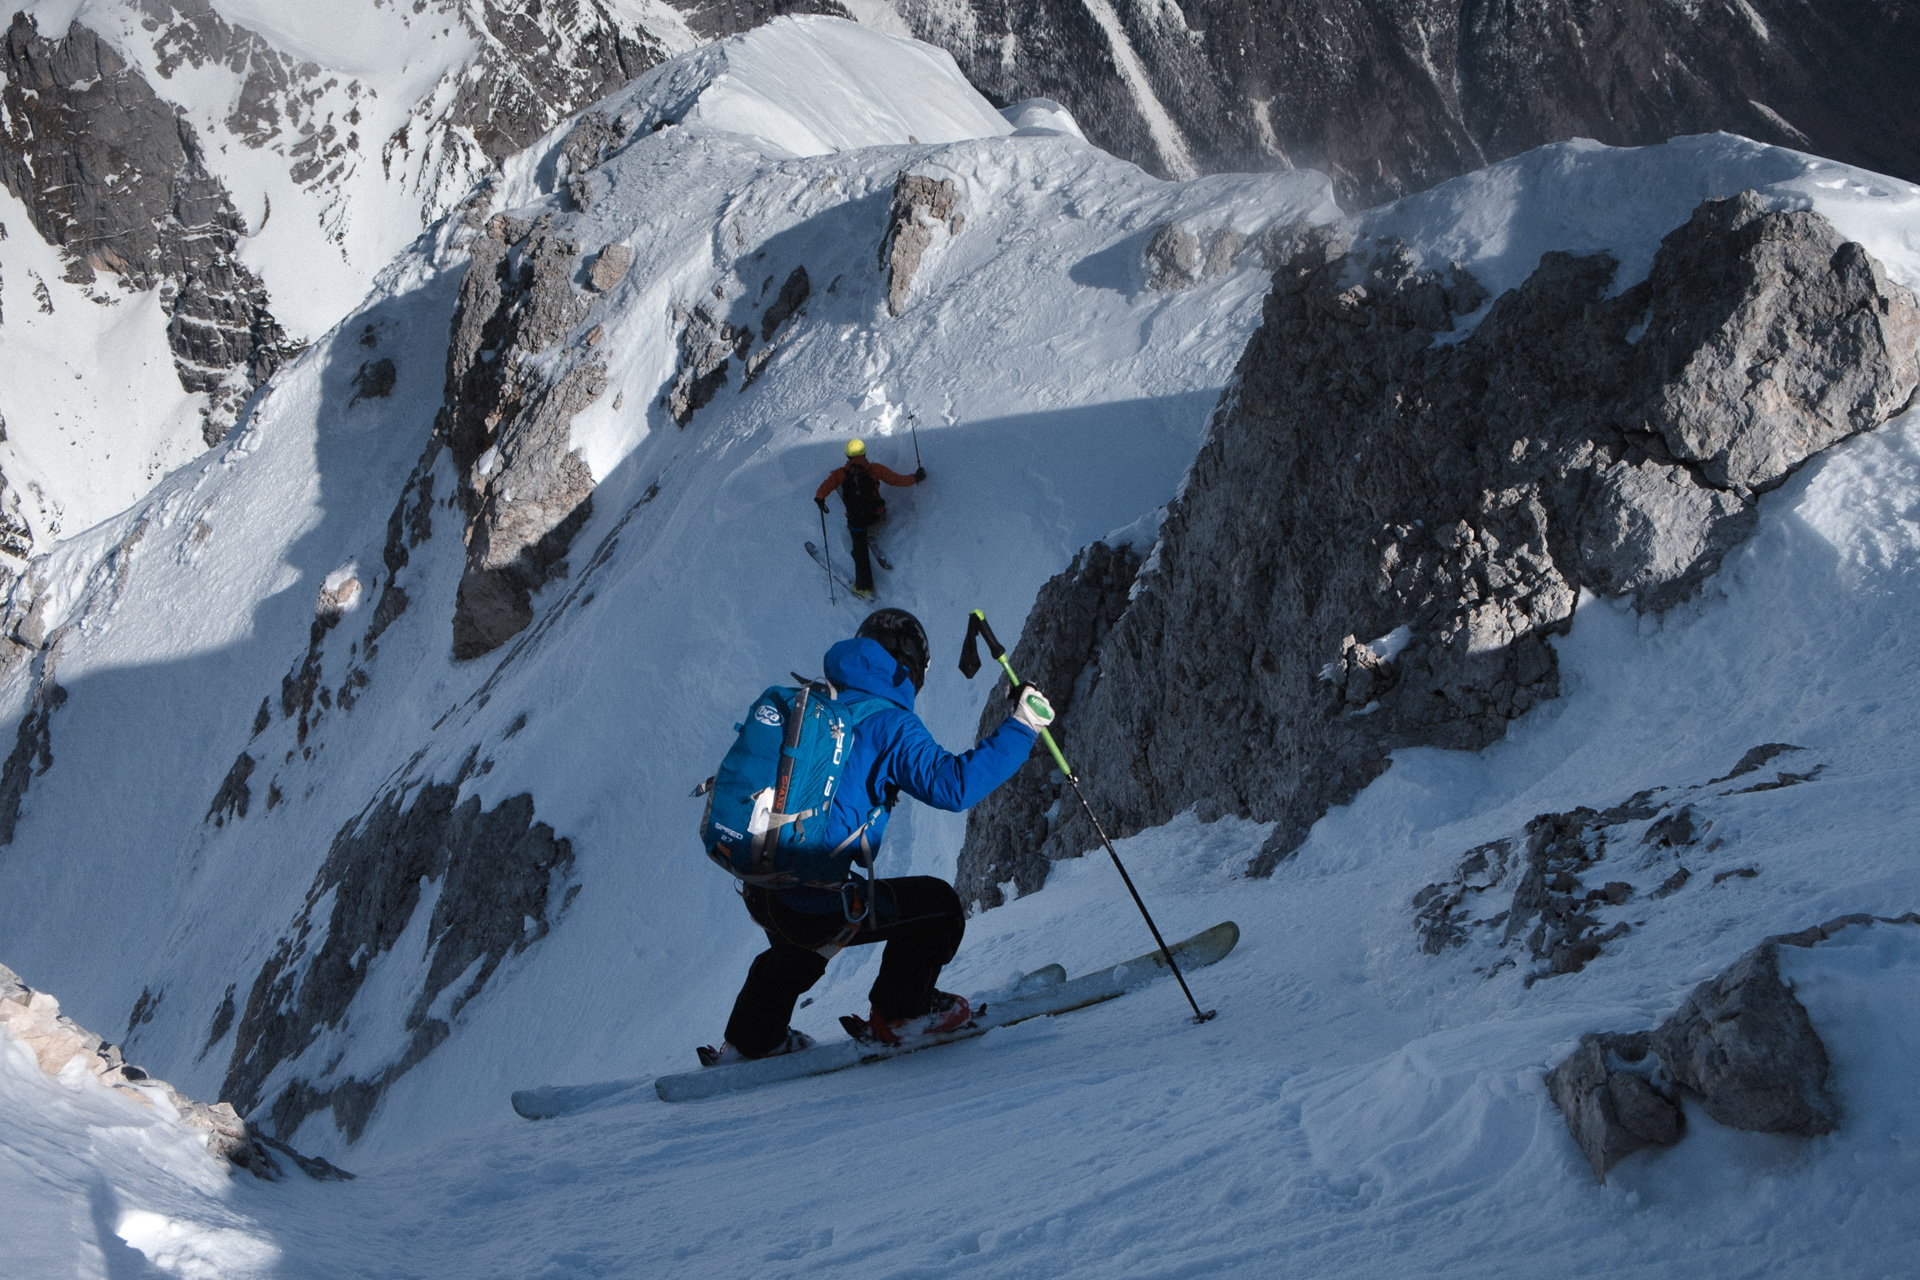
{"type": "Point", "coordinates": [949, 1013]}
{"type": "Point", "coordinates": [726, 1054]}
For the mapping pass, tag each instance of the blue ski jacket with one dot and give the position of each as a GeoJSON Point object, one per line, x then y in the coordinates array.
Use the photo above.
{"type": "Point", "coordinates": [891, 745]}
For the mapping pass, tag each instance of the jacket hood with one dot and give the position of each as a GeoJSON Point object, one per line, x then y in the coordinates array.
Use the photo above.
{"type": "Point", "coordinates": [861, 664]}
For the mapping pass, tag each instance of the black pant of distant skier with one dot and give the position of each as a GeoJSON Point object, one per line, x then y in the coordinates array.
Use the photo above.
{"type": "Point", "coordinates": [918, 917]}
{"type": "Point", "coordinates": [859, 484]}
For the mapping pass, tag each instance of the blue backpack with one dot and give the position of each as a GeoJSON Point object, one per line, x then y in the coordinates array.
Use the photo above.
{"type": "Point", "coordinates": [766, 816]}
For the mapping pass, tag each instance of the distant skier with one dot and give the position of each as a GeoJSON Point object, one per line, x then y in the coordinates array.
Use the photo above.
{"type": "Point", "coordinates": [859, 484]}
{"type": "Point", "coordinates": [920, 918]}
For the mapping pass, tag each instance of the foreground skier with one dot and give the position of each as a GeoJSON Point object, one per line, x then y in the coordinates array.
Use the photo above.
{"type": "Point", "coordinates": [919, 918]}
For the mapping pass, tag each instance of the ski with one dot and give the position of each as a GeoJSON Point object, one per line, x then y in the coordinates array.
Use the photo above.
{"type": "Point", "coordinates": [1041, 993]}
{"type": "Point", "coordinates": [1197, 952]}
{"type": "Point", "coordinates": [819, 559]}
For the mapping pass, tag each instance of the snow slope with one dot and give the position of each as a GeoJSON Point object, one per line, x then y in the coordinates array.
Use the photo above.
{"type": "Point", "coordinates": [1357, 1106]}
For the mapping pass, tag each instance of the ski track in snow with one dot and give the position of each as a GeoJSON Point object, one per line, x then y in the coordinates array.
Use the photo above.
{"type": "Point", "coordinates": [1357, 1107]}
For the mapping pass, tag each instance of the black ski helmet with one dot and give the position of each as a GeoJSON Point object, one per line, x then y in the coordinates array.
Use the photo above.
{"type": "Point", "coordinates": [902, 636]}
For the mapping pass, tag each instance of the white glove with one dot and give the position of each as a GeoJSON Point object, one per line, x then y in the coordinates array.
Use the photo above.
{"type": "Point", "coordinates": [1031, 708]}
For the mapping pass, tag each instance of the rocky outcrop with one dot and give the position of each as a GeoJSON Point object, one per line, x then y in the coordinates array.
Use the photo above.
{"type": "Point", "coordinates": [488, 880]}
{"type": "Point", "coordinates": [115, 177]}
{"type": "Point", "coordinates": [708, 347]}
{"type": "Point", "coordinates": [921, 205]}
{"type": "Point", "coordinates": [1175, 258]}
{"type": "Point", "coordinates": [506, 421]}
{"type": "Point", "coordinates": [32, 753]}
{"type": "Point", "coordinates": [1741, 1043]}
{"type": "Point", "coordinates": [1548, 899]}
{"type": "Point", "coordinates": [1744, 1044]}
{"type": "Point", "coordinates": [1391, 99]}
{"type": "Point", "coordinates": [1439, 505]}
{"type": "Point", "coordinates": [57, 1043]}
{"type": "Point", "coordinates": [1616, 1097]}
{"type": "Point", "coordinates": [715, 19]}
{"type": "Point", "coordinates": [539, 63]}
{"type": "Point", "coordinates": [1007, 832]}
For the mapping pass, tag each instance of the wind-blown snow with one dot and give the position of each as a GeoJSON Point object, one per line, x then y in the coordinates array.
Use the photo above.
{"type": "Point", "coordinates": [1357, 1106]}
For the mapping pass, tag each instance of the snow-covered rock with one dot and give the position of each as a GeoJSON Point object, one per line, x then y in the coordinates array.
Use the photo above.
{"type": "Point", "coordinates": [1398, 452]}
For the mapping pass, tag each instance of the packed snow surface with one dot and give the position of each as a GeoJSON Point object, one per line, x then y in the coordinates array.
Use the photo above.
{"type": "Point", "coordinates": [1356, 1107]}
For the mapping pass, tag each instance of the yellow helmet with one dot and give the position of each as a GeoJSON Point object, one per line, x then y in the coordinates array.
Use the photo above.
{"type": "Point", "coordinates": [856, 448]}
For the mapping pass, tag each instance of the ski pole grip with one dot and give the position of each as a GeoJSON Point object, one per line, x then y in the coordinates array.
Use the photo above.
{"type": "Point", "coordinates": [1000, 655]}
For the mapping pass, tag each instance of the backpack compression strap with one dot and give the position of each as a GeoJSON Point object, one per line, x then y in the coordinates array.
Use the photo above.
{"type": "Point", "coordinates": [766, 842]}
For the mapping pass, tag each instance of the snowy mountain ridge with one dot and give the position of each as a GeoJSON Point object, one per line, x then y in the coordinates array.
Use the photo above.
{"type": "Point", "coordinates": [365, 889]}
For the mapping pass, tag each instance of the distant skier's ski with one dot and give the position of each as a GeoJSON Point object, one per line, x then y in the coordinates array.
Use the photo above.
{"type": "Point", "coordinates": [1197, 952]}
{"type": "Point", "coordinates": [868, 599]}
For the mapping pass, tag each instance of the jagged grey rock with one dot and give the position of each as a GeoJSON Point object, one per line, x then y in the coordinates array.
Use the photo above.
{"type": "Point", "coordinates": [1390, 99]}
{"type": "Point", "coordinates": [537, 64]}
{"type": "Point", "coordinates": [234, 796]}
{"type": "Point", "coordinates": [114, 176]}
{"type": "Point", "coordinates": [919, 205]}
{"type": "Point", "coordinates": [708, 346]}
{"type": "Point", "coordinates": [1742, 1042]}
{"type": "Point", "coordinates": [1745, 1045]}
{"type": "Point", "coordinates": [374, 380]}
{"type": "Point", "coordinates": [32, 753]}
{"type": "Point", "coordinates": [1616, 1099]}
{"type": "Point", "coordinates": [529, 498]}
{"type": "Point", "coordinates": [1173, 258]}
{"type": "Point", "coordinates": [496, 870]}
{"type": "Point", "coordinates": [1359, 478]}
{"type": "Point", "coordinates": [610, 267]}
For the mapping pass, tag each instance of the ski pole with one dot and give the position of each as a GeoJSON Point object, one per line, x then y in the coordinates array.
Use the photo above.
{"type": "Point", "coordinates": [826, 555]}
{"type": "Point", "coordinates": [914, 428]}
{"type": "Point", "coordinates": [969, 664]}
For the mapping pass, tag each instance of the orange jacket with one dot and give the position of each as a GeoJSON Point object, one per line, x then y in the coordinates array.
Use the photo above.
{"type": "Point", "coordinates": [839, 476]}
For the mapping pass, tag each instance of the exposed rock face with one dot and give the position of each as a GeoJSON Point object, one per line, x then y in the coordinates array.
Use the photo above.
{"type": "Point", "coordinates": [1744, 1044]}
{"type": "Point", "coordinates": [234, 796]}
{"type": "Point", "coordinates": [485, 875]}
{"type": "Point", "coordinates": [1007, 831]}
{"type": "Point", "coordinates": [920, 206]}
{"type": "Point", "coordinates": [538, 63]}
{"type": "Point", "coordinates": [32, 753]}
{"type": "Point", "coordinates": [1451, 499]}
{"type": "Point", "coordinates": [708, 347]}
{"type": "Point", "coordinates": [1616, 1099]}
{"type": "Point", "coordinates": [1741, 1042]}
{"type": "Point", "coordinates": [717, 18]}
{"type": "Point", "coordinates": [526, 493]}
{"type": "Point", "coordinates": [115, 176]}
{"type": "Point", "coordinates": [1391, 99]}
{"type": "Point", "coordinates": [55, 1040]}
{"type": "Point", "coordinates": [1543, 894]}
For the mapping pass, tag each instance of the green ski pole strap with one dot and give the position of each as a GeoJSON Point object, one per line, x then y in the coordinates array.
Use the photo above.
{"type": "Point", "coordinates": [1052, 746]}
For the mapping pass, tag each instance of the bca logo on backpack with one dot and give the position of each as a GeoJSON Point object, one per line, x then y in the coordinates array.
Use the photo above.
{"type": "Point", "coordinates": [766, 816]}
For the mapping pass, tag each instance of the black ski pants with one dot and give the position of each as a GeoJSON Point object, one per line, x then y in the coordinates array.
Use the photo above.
{"type": "Point", "coordinates": [862, 566]}
{"type": "Point", "coordinates": [919, 918]}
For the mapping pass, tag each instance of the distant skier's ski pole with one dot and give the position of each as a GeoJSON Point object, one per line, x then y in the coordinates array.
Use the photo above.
{"type": "Point", "coordinates": [969, 665]}
{"type": "Point", "coordinates": [826, 549]}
